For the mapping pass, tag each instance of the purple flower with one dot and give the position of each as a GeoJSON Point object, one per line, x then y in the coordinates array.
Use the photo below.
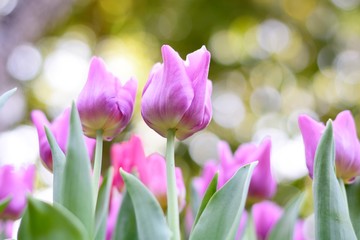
{"type": "Point", "coordinates": [265, 215]}
{"type": "Point", "coordinates": [15, 184]}
{"type": "Point", "coordinates": [104, 104]}
{"type": "Point", "coordinates": [177, 94]}
{"type": "Point", "coordinates": [60, 129]}
{"type": "Point", "coordinates": [347, 146]}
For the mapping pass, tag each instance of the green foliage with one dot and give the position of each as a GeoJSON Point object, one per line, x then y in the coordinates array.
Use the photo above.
{"type": "Point", "coordinates": [210, 191]}
{"type": "Point", "coordinates": [77, 194]}
{"type": "Point", "coordinates": [42, 221]}
{"type": "Point", "coordinates": [126, 221]}
{"type": "Point", "coordinates": [4, 203]}
{"type": "Point", "coordinates": [5, 96]}
{"type": "Point", "coordinates": [221, 217]}
{"type": "Point", "coordinates": [150, 220]}
{"type": "Point", "coordinates": [284, 228]}
{"type": "Point", "coordinates": [332, 220]}
{"type": "Point", "coordinates": [59, 160]}
{"type": "Point", "coordinates": [353, 197]}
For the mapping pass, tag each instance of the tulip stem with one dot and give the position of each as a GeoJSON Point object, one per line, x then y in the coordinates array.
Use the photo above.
{"type": "Point", "coordinates": [97, 163]}
{"type": "Point", "coordinates": [172, 202]}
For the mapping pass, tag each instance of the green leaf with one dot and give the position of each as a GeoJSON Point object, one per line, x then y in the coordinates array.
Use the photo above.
{"type": "Point", "coordinates": [102, 206]}
{"type": "Point", "coordinates": [210, 191]}
{"type": "Point", "coordinates": [77, 193]}
{"type": "Point", "coordinates": [59, 160]}
{"type": "Point", "coordinates": [5, 96]}
{"type": "Point", "coordinates": [150, 219]}
{"type": "Point", "coordinates": [284, 228]}
{"type": "Point", "coordinates": [42, 221]}
{"type": "Point", "coordinates": [221, 217]}
{"type": "Point", "coordinates": [332, 220]}
{"type": "Point", "coordinates": [353, 193]}
{"type": "Point", "coordinates": [249, 233]}
{"type": "Point", "coordinates": [4, 203]}
{"type": "Point", "coordinates": [126, 221]}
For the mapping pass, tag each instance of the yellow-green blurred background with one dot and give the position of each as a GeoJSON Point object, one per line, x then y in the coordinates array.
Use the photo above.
{"type": "Point", "coordinates": [271, 61]}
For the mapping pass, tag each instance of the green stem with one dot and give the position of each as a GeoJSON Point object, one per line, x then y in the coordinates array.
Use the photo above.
{"type": "Point", "coordinates": [172, 202]}
{"type": "Point", "coordinates": [97, 163]}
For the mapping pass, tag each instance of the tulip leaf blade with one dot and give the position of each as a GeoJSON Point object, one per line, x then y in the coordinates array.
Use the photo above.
{"type": "Point", "coordinates": [77, 194]}
{"type": "Point", "coordinates": [332, 220]}
{"type": "Point", "coordinates": [284, 228]}
{"type": "Point", "coordinates": [353, 193]}
{"type": "Point", "coordinates": [125, 228]}
{"type": "Point", "coordinates": [210, 191]}
{"type": "Point", "coordinates": [102, 206]}
{"type": "Point", "coordinates": [150, 219]}
{"type": "Point", "coordinates": [226, 207]}
{"type": "Point", "coordinates": [4, 203]}
{"type": "Point", "coordinates": [59, 160]}
{"type": "Point", "coordinates": [44, 221]}
{"type": "Point", "coordinates": [5, 96]}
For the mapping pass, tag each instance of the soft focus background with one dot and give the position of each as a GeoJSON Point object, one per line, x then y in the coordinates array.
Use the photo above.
{"type": "Point", "coordinates": [271, 61]}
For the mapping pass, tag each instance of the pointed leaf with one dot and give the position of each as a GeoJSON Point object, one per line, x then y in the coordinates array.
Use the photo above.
{"type": "Point", "coordinates": [42, 221]}
{"type": "Point", "coordinates": [332, 220]}
{"type": "Point", "coordinates": [284, 228]}
{"type": "Point", "coordinates": [250, 233]}
{"type": "Point", "coordinates": [208, 194]}
{"type": "Point", "coordinates": [77, 193]}
{"type": "Point", "coordinates": [150, 220]}
{"type": "Point", "coordinates": [5, 96]}
{"type": "Point", "coordinates": [58, 165]}
{"type": "Point", "coordinates": [102, 206]}
{"type": "Point", "coordinates": [4, 203]}
{"type": "Point", "coordinates": [126, 221]}
{"type": "Point", "coordinates": [353, 193]}
{"type": "Point", "coordinates": [221, 217]}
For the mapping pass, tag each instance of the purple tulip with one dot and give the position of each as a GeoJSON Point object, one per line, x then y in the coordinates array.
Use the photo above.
{"type": "Point", "coordinates": [347, 146]}
{"type": "Point", "coordinates": [60, 129]}
{"type": "Point", "coordinates": [15, 184]}
{"type": "Point", "coordinates": [6, 229]}
{"type": "Point", "coordinates": [104, 104]}
{"type": "Point", "coordinates": [177, 94]}
{"type": "Point", "coordinates": [265, 215]}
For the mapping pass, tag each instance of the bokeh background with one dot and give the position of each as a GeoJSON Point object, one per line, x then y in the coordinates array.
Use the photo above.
{"type": "Point", "coordinates": [271, 61]}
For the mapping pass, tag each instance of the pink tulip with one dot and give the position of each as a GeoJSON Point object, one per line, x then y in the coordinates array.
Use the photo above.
{"type": "Point", "coordinates": [177, 94]}
{"type": "Point", "coordinates": [60, 129]}
{"type": "Point", "coordinates": [104, 104]}
{"type": "Point", "coordinates": [265, 215]}
{"type": "Point", "coordinates": [151, 170]}
{"type": "Point", "coordinates": [127, 155]}
{"type": "Point", "coordinates": [347, 146]}
{"type": "Point", "coordinates": [15, 184]}
{"type": "Point", "coordinates": [153, 175]}
{"type": "Point", "coordinates": [262, 184]}
{"type": "Point", "coordinates": [6, 229]}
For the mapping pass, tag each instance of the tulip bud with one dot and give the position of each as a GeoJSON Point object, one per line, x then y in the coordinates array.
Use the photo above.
{"type": "Point", "coordinates": [177, 94]}
{"type": "Point", "coordinates": [347, 146]}
{"type": "Point", "coordinates": [104, 104]}
{"type": "Point", "coordinates": [60, 129]}
{"type": "Point", "coordinates": [15, 184]}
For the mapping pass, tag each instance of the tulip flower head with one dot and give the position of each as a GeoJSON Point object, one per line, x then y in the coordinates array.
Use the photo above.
{"type": "Point", "coordinates": [262, 184]}
{"type": "Point", "coordinates": [265, 215]}
{"type": "Point", "coordinates": [104, 104]}
{"type": "Point", "coordinates": [60, 129]}
{"type": "Point", "coordinates": [347, 146]}
{"type": "Point", "coordinates": [177, 94]}
{"type": "Point", "coordinates": [15, 184]}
